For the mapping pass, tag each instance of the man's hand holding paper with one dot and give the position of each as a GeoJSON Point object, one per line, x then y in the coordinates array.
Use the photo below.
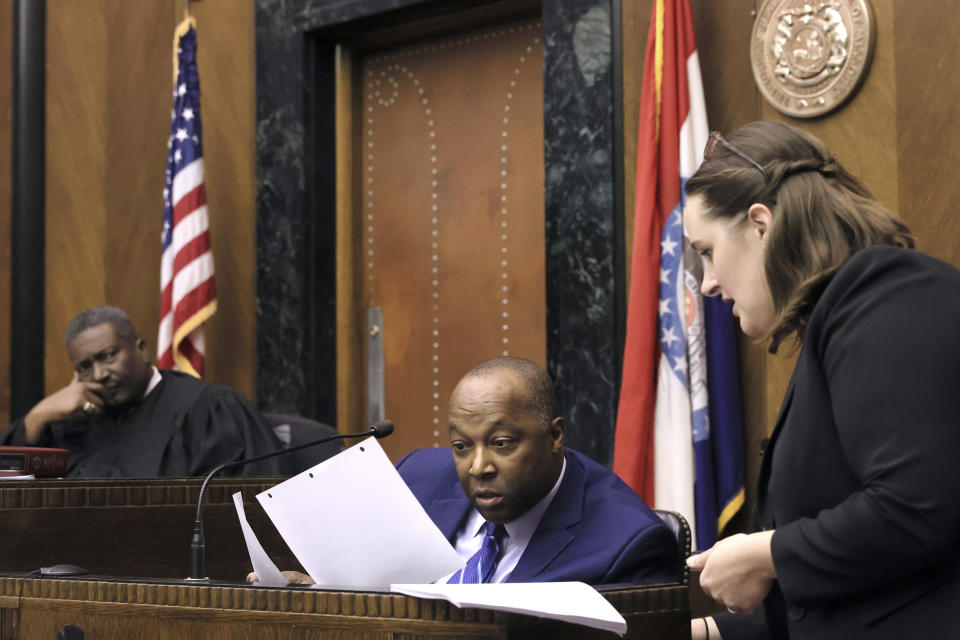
{"type": "Point", "coordinates": [351, 520]}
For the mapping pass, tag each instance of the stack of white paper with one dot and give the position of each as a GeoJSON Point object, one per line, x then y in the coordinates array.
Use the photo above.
{"type": "Point", "coordinates": [351, 520]}
{"type": "Point", "coordinates": [267, 573]}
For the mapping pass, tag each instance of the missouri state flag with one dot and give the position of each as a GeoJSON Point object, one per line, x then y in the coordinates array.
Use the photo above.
{"type": "Point", "coordinates": [187, 293]}
{"type": "Point", "coordinates": [679, 421]}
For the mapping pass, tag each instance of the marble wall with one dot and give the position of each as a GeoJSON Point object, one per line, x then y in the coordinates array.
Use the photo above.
{"type": "Point", "coordinates": [582, 348]}
{"type": "Point", "coordinates": [295, 213]}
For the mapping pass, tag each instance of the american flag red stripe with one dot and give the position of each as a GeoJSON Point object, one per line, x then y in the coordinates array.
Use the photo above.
{"type": "Point", "coordinates": [187, 286]}
{"type": "Point", "coordinates": [195, 248]}
{"type": "Point", "coordinates": [197, 296]}
{"type": "Point", "coordinates": [189, 202]}
{"type": "Point", "coordinates": [192, 354]}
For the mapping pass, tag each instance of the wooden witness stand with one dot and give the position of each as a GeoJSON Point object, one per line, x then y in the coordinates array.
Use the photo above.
{"type": "Point", "coordinates": [133, 609]}
{"type": "Point", "coordinates": [121, 530]}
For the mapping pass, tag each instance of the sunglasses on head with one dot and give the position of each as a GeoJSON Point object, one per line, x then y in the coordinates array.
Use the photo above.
{"type": "Point", "coordinates": [717, 139]}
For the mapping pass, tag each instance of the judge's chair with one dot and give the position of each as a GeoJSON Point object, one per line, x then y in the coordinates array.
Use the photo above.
{"type": "Point", "coordinates": [681, 529]}
{"type": "Point", "coordinates": [296, 430]}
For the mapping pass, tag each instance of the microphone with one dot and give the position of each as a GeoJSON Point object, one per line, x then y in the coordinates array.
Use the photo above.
{"type": "Point", "coordinates": [379, 429]}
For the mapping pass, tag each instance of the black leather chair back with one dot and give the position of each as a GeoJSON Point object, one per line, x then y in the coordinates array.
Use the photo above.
{"type": "Point", "coordinates": [295, 430]}
{"type": "Point", "coordinates": [681, 529]}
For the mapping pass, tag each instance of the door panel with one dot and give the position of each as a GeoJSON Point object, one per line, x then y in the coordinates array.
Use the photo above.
{"type": "Point", "coordinates": [452, 242]}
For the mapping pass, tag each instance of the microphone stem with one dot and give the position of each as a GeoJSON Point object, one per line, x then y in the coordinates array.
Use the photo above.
{"type": "Point", "coordinates": [197, 547]}
{"type": "Point", "coordinates": [197, 543]}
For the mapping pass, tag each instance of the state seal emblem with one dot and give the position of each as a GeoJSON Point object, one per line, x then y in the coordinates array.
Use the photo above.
{"type": "Point", "coordinates": [808, 58]}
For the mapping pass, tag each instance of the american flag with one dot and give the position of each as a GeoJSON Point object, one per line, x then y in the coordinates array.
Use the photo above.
{"type": "Point", "coordinates": [187, 293]}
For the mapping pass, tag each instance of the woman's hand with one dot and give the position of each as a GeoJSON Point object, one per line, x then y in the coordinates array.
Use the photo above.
{"type": "Point", "coordinates": [738, 571]}
{"type": "Point", "coordinates": [704, 629]}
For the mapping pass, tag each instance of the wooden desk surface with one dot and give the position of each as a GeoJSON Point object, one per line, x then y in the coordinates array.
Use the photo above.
{"type": "Point", "coordinates": [127, 529]}
{"type": "Point", "coordinates": [112, 608]}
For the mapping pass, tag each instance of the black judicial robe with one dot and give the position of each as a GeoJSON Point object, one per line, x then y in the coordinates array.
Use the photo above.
{"type": "Point", "coordinates": [184, 427]}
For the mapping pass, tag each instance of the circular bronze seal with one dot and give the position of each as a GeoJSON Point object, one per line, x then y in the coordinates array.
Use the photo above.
{"type": "Point", "coordinates": [809, 56]}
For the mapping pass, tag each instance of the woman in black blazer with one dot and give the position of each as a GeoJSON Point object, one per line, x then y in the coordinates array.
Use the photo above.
{"type": "Point", "coordinates": [858, 506]}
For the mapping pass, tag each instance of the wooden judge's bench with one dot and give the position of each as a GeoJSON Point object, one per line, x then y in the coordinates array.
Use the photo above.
{"type": "Point", "coordinates": [123, 530]}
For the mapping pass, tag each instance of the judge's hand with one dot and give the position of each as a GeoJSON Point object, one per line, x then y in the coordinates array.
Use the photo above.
{"type": "Point", "coordinates": [67, 403]}
{"type": "Point", "coordinates": [738, 571]}
{"type": "Point", "coordinates": [292, 577]}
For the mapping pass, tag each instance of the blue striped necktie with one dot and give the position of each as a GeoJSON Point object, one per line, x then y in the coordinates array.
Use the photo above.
{"type": "Point", "coordinates": [480, 566]}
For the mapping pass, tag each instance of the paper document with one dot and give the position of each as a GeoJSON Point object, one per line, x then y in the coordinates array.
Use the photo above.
{"type": "Point", "coordinates": [568, 601]}
{"type": "Point", "coordinates": [267, 573]}
{"type": "Point", "coordinates": [351, 520]}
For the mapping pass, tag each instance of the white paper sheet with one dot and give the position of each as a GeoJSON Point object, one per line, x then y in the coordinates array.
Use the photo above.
{"type": "Point", "coordinates": [351, 520]}
{"type": "Point", "coordinates": [568, 601]}
{"type": "Point", "coordinates": [267, 573]}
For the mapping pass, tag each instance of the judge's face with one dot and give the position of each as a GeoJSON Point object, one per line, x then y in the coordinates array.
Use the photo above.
{"type": "Point", "coordinates": [505, 458]}
{"type": "Point", "coordinates": [121, 365]}
{"type": "Point", "coordinates": [733, 262]}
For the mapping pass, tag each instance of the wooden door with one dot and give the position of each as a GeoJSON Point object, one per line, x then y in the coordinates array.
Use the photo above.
{"type": "Point", "coordinates": [451, 209]}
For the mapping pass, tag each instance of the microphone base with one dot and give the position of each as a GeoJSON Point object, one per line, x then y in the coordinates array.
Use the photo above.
{"type": "Point", "coordinates": [198, 579]}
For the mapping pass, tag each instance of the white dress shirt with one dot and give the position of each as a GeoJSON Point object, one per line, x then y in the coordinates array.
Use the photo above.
{"type": "Point", "coordinates": [469, 536]}
{"type": "Point", "coordinates": [155, 380]}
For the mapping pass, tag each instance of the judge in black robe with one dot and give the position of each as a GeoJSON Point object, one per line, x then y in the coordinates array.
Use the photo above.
{"type": "Point", "coordinates": [184, 427]}
{"type": "Point", "coordinates": [121, 417]}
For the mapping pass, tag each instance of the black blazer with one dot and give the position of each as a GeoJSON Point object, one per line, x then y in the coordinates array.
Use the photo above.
{"type": "Point", "coordinates": [861, 477]}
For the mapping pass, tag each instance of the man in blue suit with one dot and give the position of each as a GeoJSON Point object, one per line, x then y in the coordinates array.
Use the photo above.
{"type": "Point", "coordinates": [565, 516]}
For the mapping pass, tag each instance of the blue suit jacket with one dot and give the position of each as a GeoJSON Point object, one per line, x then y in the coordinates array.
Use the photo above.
{"type": "Point", "coordinates": [596, 530]}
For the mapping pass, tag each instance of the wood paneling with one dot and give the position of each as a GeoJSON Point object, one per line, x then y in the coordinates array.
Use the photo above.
{"type": "Point", "coordinates": [136, 117]}
{"type": "Point", "coordinates": [723, 43]}
{"type": "Point", "coordinates": [134, 527]}
{"type": "Point", "coordinates": [108, 117]}
{"type": "Point", "coordinates": [227, 60]}
{"type": "Point", "coordinates": [635, 19]}
{"type": "Point", "coordinates": [927, 130]}
{"type": "Point", "coordinates": [351, 332]}
{"type": "Point", "coordinates": [76, 221]}
{"type": "Point", "coordinates": [6, 148]}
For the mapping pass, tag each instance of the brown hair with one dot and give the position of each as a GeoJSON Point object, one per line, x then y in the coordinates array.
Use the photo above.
{"type": "Point", "coordinates": [822, 214]}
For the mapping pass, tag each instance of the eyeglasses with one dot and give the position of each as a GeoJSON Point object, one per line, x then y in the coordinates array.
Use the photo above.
{"type": "Point", "coordinates": [715, 139]}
